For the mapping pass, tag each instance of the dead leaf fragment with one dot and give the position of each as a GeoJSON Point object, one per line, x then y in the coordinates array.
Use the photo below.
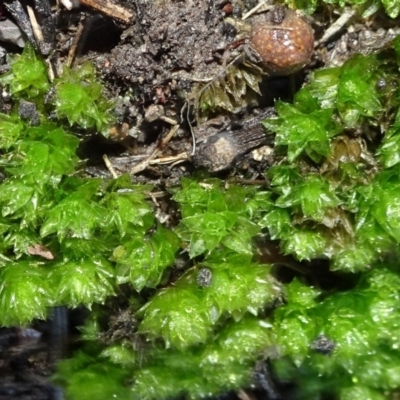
{"type": "Point", "coordinates": [41, 251]}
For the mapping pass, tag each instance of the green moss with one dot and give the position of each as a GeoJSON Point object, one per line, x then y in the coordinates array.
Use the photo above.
{"type": "Point", "coordinates": [70, 240]}
{"type": "Point", "coordinates": [332, 191]}
{"type": "Point", "coordinates": [52, 219]}
{"type": "Point", "coordinates": [185, 314]}
{"type": "Point", "coordinates": [221, 365]}
{"type": "Point", "coordinates": [78, 96]}
{"type": "Point", "coordinates": [25, 292]}
{"type": "Point", "coordinates": [360, 323]}
{"type": "Point", "coordinates": [28, 77]}
{"type": "Point", "coordinates": [79, 99]}
{"type": "Point", "coordinates": [391, 7]}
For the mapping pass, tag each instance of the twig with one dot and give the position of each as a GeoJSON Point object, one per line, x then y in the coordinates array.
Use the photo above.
{"type": "Point", "coordinates": [109, 166]}
{"type": "Point", "coordinates": [167, 120]}
{"type": "Point", "coordinates": [255, 9]}
{"type": "Point", "coordinates": [75, 41]}
{"type": "Point", "coordinates": [68, 4]}
{"type": "Point", "coordinates": [111, 9]}
{"type": "Point", "coordinates": [189, 77]}
{"type": "Point", "coordinates": [169, 136]}
{"type": "Point", "coordinates": [37, 30]}
{"type": "Point", "coordinates": [156, 195]}
{"type": "Point", "coordinates": [172, 159]}
{"type": "Point", "coordinates": [145, 163]}
{"type": "Point", "coordinates": [186, 105]}
{"type": "Point", "coordinates": [50, 70]}
{"type": "Point", "coordinates": [337, 25]}
{"type": "Point", "coordinates": [153, 199]}
{"type": "Point", "coordinates": [243, 395]}
{"type": "Point", "coordinates": [179, 161]}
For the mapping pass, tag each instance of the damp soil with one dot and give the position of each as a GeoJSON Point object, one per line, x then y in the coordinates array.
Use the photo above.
{"type": "Point", "coordinates": [152, 67]}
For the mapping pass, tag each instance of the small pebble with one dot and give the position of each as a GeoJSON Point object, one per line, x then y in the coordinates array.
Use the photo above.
{"type": "Point", "coordinates": [204, 277]}
{"type": "Point", "coordinates": [27, 110]}
{"type": "Point", "coordinates": [381, 84]}
{"type": "Point", "coordinates": [323, 345]}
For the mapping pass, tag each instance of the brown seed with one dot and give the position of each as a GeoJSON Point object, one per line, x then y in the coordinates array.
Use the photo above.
{"type": "Point", "coordinates": [284, 47]}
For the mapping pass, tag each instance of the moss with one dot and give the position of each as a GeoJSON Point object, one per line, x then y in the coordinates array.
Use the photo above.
{"type": "Point", "coordinates": [333, 196]}
{"type": "Point", "coordinates": [391, 7]}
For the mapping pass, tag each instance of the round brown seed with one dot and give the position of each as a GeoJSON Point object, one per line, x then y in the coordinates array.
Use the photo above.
{"type": "Point", "coordinates": [285, 47]}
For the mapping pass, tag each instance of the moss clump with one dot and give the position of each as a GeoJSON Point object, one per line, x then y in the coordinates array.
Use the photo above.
{"type": "Point", "coordinates": [77, 95]}
{"type": "Point", "coordinates": [332, 190]}
{"type": "Point", "coordinates": [391, 7]}
{"type": "Point", "coordinates": [70, 240]}
{"type": "Point", "coordinates": [79, 99]}
{"type": "Point", "coordinates": [52, 219]}
{"type": "Point", "coordinates": [364, 356]}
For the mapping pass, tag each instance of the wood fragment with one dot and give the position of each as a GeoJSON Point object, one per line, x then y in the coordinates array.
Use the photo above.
{"type": "Point", "coordinates": [337, 25]}
{"type": "Point", "coordinates": [41, 251]}
{"type": "Point", "coordinates": [50, 70]}
{"type": "Point", "coordinates": [145, 163]}
{"type": "Point", "coordinates": [37, 30]}
{"type": "Point", "coordinates": [109, 166]}
{"type": "Point", "coordinates": [244, 395]}
{"type": "Point", "coordinates": [157, 195]}
{"type": "Point", "coordinates": [169, 136]}
{"type": "Point", "coordinates": [154, 200]}
{"type": "Point", "coordinates": [168, 120]}
{"type": "Point", "coordinates": [68, 4]}
{"type": "Point", "coordinates": [256, 8]}
{"type": "Point", "coordinates": [75, 41]}
{"type": "Point", "coordinates": [46, 21]}
{"type": "Point", "coordinates": [168, 160]}
{"type": "Point", "coordinates": [110, 9]}
{"type": "Point", "coordinates": [187, 107]}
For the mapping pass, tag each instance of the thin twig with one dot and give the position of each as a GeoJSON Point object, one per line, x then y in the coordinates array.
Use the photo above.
{"type": "Point", "coordinates": [50, 70]}
{"type": "Point", "coordinates": [109, 166]}
{"type": "Point", "coordinates": [189, 77]}
{"type": "Point", "coordinates": [179, 161]}
{"type": "Point", "coordinates": [156, 195]}
{"type": "Point", "coordinates": [255, 9]}
{"type": "Point", "coordinates": [153, 199]}
{"type": "Point", "coordinates": [75, 41]}
{"type": "Point", "coordinates": [337, 25]}
{"type": "Point", "coordinates": [172, 159]}
{"type": "Point", "coordinates": [111, 9]}
{"type": "Point", "coordinates": [37, 30]}
{"type": "Point", "coordinates": [243, 395]}
{"type": "Point", "coordinates": [169, 136]}
{"type": "Point", "coordinates": [67, 4]}
{"type": "Point", "coordinates": [167, 120]}
{"type": "Point", "coordinates": [186, 105]}
{"type": "Point", "coordinates": [145, 163]}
